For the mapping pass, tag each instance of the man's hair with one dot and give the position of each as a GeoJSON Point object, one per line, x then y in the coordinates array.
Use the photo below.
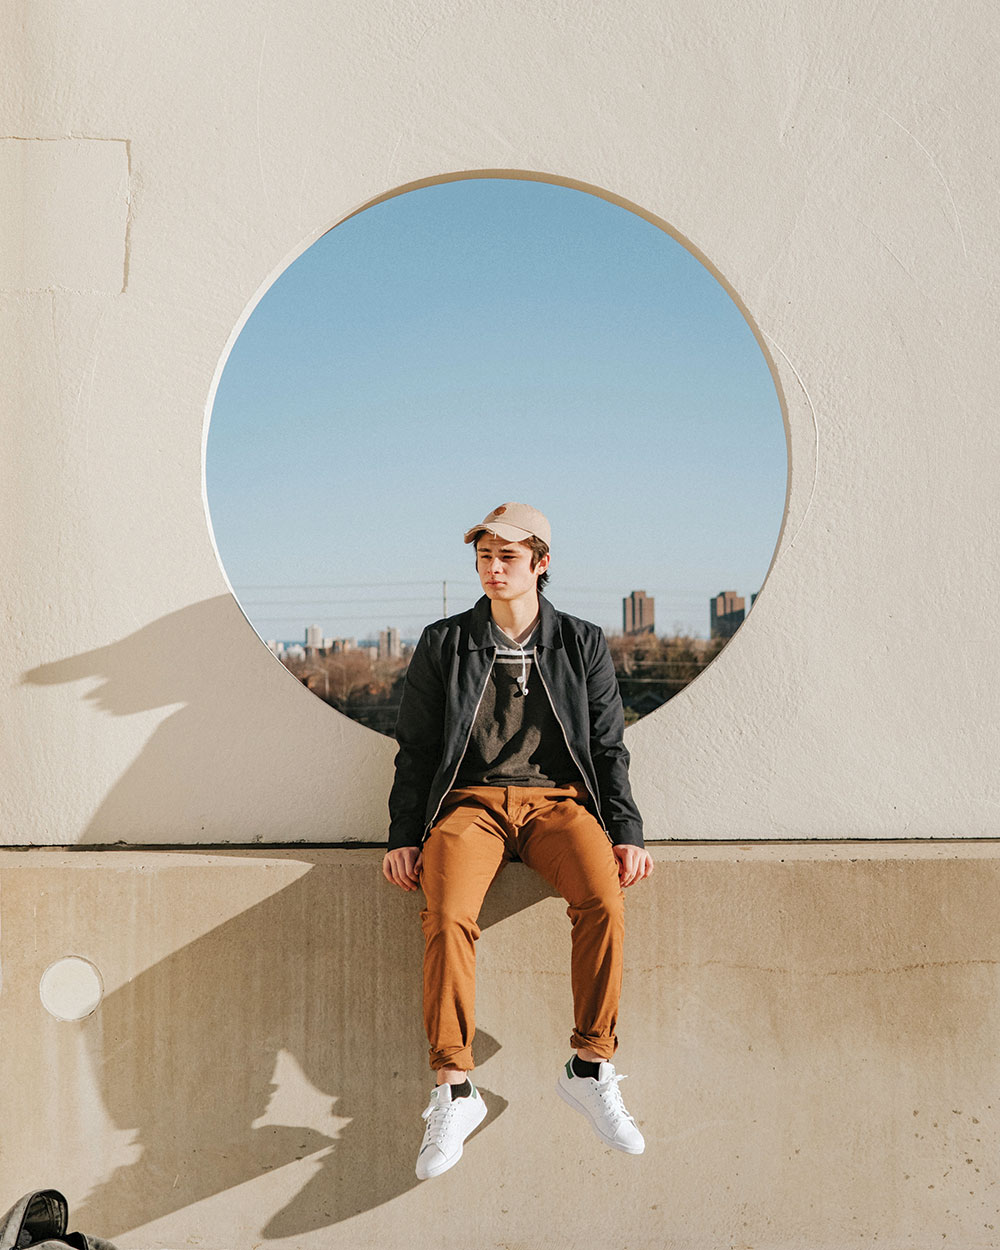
{"type": "Point", "coordinates": [537, 547]}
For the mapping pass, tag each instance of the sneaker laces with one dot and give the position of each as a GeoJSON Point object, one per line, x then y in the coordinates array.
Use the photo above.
{"type": "Point", "coordinates": [611, 1096]}
{"type": "Point", "coordinates": [438, 1117]}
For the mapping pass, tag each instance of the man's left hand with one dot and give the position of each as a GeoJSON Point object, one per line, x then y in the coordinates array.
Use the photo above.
{"type": "Point", "coordinates": [634, 863]}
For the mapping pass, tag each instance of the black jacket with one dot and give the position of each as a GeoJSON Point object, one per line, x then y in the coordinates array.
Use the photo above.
{"type": "Point", "coordinates": [444, 684]}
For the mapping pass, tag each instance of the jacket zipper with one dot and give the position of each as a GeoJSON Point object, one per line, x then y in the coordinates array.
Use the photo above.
{"type": "Point", "coordinates": [458, 764]}
{"type": "Point", "coordinates": [597, 806]}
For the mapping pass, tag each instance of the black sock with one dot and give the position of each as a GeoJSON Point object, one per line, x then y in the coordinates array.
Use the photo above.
{"type": "Point", "coordinates": [461, 1091]}
{"type": "Point", "coordinates": [582, 1067]}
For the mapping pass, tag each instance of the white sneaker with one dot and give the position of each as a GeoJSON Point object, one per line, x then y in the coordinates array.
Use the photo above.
{"type": "Point", "coordinates": [601, 1100]}
{"type": "Point", "coordinates": [449, 1123]}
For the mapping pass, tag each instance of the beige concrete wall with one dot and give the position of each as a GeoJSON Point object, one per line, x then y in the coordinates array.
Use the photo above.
{"type": "Point", "coordinates": [811, 1031]}
{"type": "Point", "coordinates": [835, 165]}
{"type": "Point", "coordinates": [810, 1036]}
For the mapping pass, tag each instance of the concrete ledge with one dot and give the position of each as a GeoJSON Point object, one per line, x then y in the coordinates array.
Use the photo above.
{"type": "Point", "coordinates": [809, 1029]}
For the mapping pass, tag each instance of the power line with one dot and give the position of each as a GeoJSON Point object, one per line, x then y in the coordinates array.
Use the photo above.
{"type": "Point", "coordinates": [318, 603]}
{"type": "Point", "coordinates": [593, 588]}
{"type": "Point", "coordinates": [339, 585]}
{"type": "Point", "coordinates": [672, 605]}
{"type": "Point", "coordinates": [361, 616]}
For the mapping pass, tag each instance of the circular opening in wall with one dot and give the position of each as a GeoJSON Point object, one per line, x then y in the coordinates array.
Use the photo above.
{"type": "Point", "coordinates": [476, 340]}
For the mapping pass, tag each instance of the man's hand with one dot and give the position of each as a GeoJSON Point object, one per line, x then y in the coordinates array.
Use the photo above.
{"type": "Point", "coordinates": [633, 863]}
{"type": "Point", "coordinates": [402, 867]}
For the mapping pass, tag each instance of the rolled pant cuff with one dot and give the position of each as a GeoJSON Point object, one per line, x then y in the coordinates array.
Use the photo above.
{"type": "Point", "coordinates": [603, 1046]}
{"type": "Point", "coordinates": [460, 1059]}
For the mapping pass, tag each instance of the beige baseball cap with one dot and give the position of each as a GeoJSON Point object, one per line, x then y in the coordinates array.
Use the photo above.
{"type": "Point", "coordinates": [516, 522]}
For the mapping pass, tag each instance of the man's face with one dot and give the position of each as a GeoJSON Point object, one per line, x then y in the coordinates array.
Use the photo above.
{"type": "Point", "coordinates": [504, 568]}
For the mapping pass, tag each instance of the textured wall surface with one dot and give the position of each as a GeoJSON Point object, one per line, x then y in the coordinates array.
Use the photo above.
{"type": "Point", "coordinates": [834, 164]}
{"type": "Point", "coordinates": [810, 1029]}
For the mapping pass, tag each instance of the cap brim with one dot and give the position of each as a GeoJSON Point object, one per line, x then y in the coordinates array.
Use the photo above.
{"type": "Point", "coordinates": [512, 533]}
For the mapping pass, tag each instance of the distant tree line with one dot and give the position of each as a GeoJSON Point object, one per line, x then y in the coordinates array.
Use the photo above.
{"type": "Point", "coordinates": [364, 689]}
{"type": "Point", "coordinates": [650, 671]}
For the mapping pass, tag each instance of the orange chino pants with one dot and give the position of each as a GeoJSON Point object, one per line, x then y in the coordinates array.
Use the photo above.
{"type": "Point", "coordinates": [478, 831]}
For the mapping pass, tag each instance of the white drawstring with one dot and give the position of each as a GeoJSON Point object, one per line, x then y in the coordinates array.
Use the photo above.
{"type": "Point", "coordinates": [522, 681]}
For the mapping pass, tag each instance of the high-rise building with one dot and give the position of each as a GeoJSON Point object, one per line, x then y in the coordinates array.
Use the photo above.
{"type": "Point", "coordinates": [637, 613]}
{"type": "Point", "coordinates": [314, 637]}
{"type": "Point", "coordinates": [726, 612]}
{"type": "Point", "coordinates": [389, 647]}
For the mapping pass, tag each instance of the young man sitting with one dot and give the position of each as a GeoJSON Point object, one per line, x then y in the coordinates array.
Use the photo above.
{"type": "Point", "coordinates": [510, 746]}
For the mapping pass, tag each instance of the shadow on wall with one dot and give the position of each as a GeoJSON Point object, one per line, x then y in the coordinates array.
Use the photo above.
{"type": "Point", "coordinates": [322, 981]}
{"type": "Point", "coordinates": [168, 795]}
{"type": "Point", "coordinates": [211, 1053]}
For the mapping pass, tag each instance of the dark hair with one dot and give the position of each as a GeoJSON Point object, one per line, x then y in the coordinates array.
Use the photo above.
{"type": "Point", "coordinates": [537, 547]}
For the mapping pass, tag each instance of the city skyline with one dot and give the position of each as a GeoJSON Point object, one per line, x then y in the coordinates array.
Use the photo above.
{"type": "Point", "coordinates": [314, 636]}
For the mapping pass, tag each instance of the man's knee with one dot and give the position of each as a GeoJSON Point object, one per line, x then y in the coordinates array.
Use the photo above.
{"type": "Point", "coordinates": [444, 920]}
{"type": "Point", "coordinates": [603, 907]}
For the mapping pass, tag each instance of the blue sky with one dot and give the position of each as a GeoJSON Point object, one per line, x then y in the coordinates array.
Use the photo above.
{"type": "Point", "coordinates": [481, 341]}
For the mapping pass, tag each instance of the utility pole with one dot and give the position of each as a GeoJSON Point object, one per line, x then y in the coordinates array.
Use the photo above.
{"type": "Point", "coordinates": [444, 598]}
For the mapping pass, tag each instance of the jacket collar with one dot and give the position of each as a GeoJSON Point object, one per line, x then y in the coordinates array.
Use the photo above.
{"type": "Point", "coordinates": [480, 636]}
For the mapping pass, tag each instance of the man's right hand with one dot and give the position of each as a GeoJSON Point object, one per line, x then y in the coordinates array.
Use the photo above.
{"type": "Point", "coordinates": [402, 867]}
